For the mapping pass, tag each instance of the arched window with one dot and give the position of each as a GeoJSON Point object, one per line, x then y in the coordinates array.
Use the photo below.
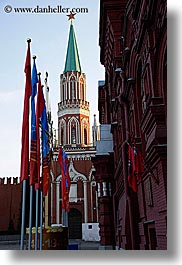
{"type": "Point", "coordinates": [73, 131]}
{"type": "Point", "coordinates": [73, 135]}
{"type": "Point", "coordinates": [73, 90]}
{"type": "Point", "coordinates": [62, 132]}
{"type": "Point", "coordinates": [62, 136]}
{"type": "Point", "coordinates": [85, 136]}
{"type": "Point", "coordinates": [82, 96]}
{"type": "Point", "coordinates": [72, 87]}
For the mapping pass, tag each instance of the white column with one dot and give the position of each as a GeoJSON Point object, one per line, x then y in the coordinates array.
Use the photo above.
{"type": "Point", "coordinates": [76, 87]}
{"type": "Point", "coordinates": [68, 86]}
{"type": "Point", "coordinates": [85, 202]}
{"type": "Point", "coordinates": [91, 200]}
{"type": "Point", "coordinates": [57, 202]}
{"type": "Point", "coordinates": [66, 97]}
{"type": "Point", "coordinates": [64, 92]}
{"type": "Point", "coordinates": [98, 189]}
{"type": "Point", "coordinates": [97, 206]}
{"type": "Point", "coordinates": [104, 189]}
{"type": "Point", "coordinates": [79, 90]}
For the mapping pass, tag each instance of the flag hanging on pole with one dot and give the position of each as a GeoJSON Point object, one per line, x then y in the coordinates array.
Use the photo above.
{"type": "Point", "coordinates": [24, 168]}
{"type": "Point", "coordinates": [132, 183]}
{"type": "Point", "coordinates": [45, 152]}
{"type": "Point", "coordinates": [139, 165]}
{"type": "Point", "coordinates": [39, 110]}
{"type": "Point", "coordinates": [135, 167]}
{"type": "Point", "coordinates": [33, 148]}
{"type": "Point", "coordinates": [65, 183]}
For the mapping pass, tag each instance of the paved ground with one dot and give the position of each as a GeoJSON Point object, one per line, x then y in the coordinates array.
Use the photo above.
{"type": "Point", "coordinates": [9, 246]}
{"type": "Point", "coordinates": [84, 245]}
{"type": "Point", "coordinates": [76, 244]}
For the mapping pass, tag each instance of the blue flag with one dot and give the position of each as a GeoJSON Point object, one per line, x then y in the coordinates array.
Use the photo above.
{"type": "Point", "coordinates": [33, 149]}
{"type": "Point", "coordinates": [45, 151]}
{"type": "Point", "coordinates": [34, 92]}
{"type": "Point", "coordinates": [45, 133]}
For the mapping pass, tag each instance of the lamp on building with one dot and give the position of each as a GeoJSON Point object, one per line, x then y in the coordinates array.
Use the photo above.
{"type": "Point", "coordinates": [119, 70]}
{"type": "Point", "coordinates": [130, 80]}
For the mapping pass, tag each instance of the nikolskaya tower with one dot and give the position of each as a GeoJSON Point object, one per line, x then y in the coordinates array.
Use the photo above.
{"type": "Point", "coordinates": [74, 137]}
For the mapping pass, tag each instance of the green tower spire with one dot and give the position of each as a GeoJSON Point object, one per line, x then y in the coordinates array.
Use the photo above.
{"type": "Point", "coordinates": [72, 57]}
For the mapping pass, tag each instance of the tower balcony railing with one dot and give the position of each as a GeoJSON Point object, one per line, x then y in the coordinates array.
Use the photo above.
{"type": "Point", "coordinates": [72, 103]}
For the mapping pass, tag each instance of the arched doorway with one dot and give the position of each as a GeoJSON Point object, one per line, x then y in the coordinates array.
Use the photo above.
{"type": "Point", "coordinates": [75, 224]}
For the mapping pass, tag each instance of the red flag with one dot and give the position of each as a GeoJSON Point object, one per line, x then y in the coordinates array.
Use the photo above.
{"type": "Point", "coordinates": [132, 182]}
{"type": "Point", "coordinates": [39, 110]}
{"type": "Point", "coordinates": [24, 168]}
{"type": "Point", "coordinates": [65, 183]}
{"type": "Point", "coordinates": [135, 167]}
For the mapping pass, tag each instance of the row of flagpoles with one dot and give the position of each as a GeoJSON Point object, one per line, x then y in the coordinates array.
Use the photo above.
{"type": "Point", "coordinates": [35, 162]}
{"type": "Point", "coordinates": [39, 150]}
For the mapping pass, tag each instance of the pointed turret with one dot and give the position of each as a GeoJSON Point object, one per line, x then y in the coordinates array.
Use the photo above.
{"type": "Point", "coordinates": [72, 57]}
{"type": "Point", "coordinates": [73, 109]}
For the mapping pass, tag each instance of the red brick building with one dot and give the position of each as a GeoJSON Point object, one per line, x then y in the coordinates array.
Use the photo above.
{"type": "Point", "coordinates": [133, 108]}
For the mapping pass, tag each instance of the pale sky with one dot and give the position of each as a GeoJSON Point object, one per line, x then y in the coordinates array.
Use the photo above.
{"type": "Point", "coordinates": [49, 34]}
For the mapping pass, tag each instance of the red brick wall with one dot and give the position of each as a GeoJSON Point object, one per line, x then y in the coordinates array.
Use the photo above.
{"type": "Point", "coordinates": [134, 102]}
{"type": "Point", "coordinates": [10, 206]}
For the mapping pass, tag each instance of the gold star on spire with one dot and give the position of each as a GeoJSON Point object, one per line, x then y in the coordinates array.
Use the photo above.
{"type": "Point", "coordinates": [71, 16]}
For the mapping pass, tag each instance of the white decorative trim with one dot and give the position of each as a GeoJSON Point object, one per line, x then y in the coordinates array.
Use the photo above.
{"type": "Point", "coordinates": [59, 178]}
{"type": "Point", "coordinates": [84, 125]}
{"type": "Point", "coordinates": [52, 176]}
{"type": "Point", "coordinates": [72, 75]}
{"type": "Point", "coordinates": [73, 119]}
{"type": "Point", "coordinates": [91, 178]}
{"type": "Point", "coordinates": [75, 175]}
{"type": "Point", "coordinates": [73, 109]}
{"type": "Point", "coordinates": [62, 124]}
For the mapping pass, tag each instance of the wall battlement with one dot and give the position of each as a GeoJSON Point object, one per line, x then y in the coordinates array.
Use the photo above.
{"type": "Point", "coordinates": [9, 180]}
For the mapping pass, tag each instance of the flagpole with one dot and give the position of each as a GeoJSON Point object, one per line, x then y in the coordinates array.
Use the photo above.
{"type": "Point", "coordinates": [33, 137]}
{"type": "Point", "coordinates": [37, 219]}
{"type": "Point", "coordinates": [38, 160]}
{"type": "Point", "coordinates": [30, 218]}
{"type": "Point", "coordinates": [23, 215]}
{"type": "Point", "coordinates": [64, 218]}
{"type": "Point", "coordinates": [25, 139]}
{"type": "Point", "coordinates": [41, 187]}
{"type": "Point", "coordinates": [41, 214]}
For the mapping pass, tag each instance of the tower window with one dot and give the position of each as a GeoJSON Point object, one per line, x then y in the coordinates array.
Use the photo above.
{"type": "Point", "coordinates": [73, 136]}
{"type": "Point", "coordinates": [85, 136]}
{"type": "Point", "coordinates": [73, 90]}
{"type": "Point", "coordinates": [62, 136]}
